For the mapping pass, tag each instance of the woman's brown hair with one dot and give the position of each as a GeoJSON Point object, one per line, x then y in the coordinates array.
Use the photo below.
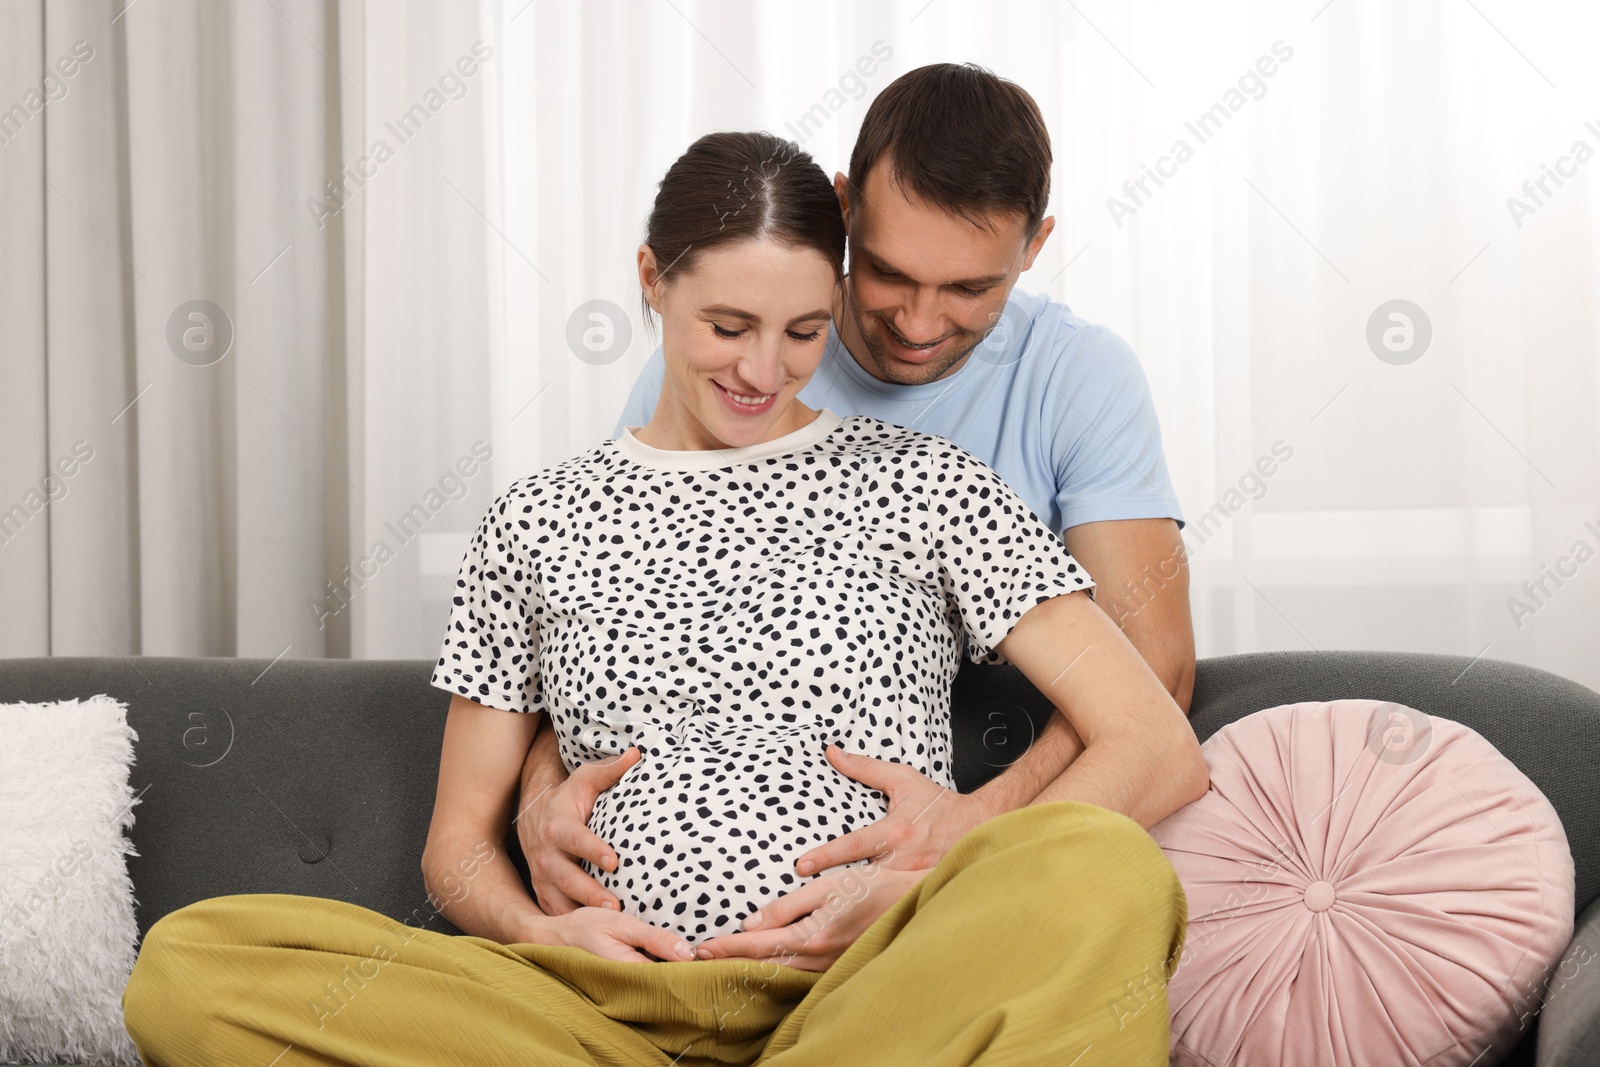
{"type": "Point", "coordinates": [731, 187]}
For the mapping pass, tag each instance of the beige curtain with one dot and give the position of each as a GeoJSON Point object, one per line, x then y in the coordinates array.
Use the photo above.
{"type": "Point", "coordinates": [1339, 157]}
{"type": "Point", "coordinates": [239, 351]}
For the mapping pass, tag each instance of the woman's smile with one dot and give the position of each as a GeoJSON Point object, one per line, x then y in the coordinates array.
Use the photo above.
{"type": "Point", "coordinates": [745, 403]}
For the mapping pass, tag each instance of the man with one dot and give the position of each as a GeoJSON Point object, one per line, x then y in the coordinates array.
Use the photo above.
{"type": "Point", "coordinates": [944, 206]}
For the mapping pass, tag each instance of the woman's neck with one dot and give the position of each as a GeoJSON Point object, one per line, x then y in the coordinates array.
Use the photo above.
{"type": "Point", "coordinates": [672, 429]}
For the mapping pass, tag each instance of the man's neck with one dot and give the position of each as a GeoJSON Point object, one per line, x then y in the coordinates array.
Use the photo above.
{"type": "Point", "coordinates": [844, 321]}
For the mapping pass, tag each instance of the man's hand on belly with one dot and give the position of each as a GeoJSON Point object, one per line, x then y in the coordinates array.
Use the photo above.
{"type": "Point", "coordinates": [924, 820]}
{"type": "Point", "coordinates": [553, 829]}
{"type": "Point", "coordinates": [811, 928]}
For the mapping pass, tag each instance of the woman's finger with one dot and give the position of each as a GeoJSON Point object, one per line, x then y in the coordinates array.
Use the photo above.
{"type": "Point", "coordinates": [662, 944]}
{"type": "Point", "coordinates": [762, 944]}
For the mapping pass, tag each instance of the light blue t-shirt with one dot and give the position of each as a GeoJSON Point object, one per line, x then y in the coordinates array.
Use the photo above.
{"type": "Point", "coordinates": [1058, 406]}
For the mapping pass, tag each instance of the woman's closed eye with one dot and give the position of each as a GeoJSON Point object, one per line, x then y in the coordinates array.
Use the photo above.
{"type": "Point", "coordinates": [724, 332]}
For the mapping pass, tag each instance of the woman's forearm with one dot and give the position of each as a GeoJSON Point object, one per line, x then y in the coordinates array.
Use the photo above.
{"type": "Point", "coordinates": [473, 883]}
{"type": "Point", "coordinates": [1141, 757]}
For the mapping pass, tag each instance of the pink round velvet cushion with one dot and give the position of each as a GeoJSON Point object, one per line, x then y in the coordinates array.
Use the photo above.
{"type": "Point", "coordinates": [1367, 885]}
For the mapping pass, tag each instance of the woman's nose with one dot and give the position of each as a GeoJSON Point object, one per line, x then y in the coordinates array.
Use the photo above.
{"type": "Point", "coordinates": [762, 372]}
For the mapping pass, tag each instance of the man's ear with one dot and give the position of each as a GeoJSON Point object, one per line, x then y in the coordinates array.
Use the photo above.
{"type": "Point", "coordinates": [1046, 225]}
{"type": "Point", "coordinates": [650, 279]}
{"type": "Point", "coordinates": [841, 189]}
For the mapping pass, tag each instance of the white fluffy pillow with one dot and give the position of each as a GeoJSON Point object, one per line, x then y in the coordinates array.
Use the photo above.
{"type": "Point", "coordinates": [67, 932]}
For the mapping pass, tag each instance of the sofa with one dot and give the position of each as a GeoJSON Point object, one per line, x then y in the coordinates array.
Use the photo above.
{"type": "Point", "coordinates": [317, 776]}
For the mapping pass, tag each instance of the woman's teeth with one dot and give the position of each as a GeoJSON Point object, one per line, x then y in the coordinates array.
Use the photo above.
{"type": "Point", "coordinates": [747, 401]}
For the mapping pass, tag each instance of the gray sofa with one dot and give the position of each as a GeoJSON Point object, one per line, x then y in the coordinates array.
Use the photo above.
{"type": "Point", "coordinates": [317, 776]}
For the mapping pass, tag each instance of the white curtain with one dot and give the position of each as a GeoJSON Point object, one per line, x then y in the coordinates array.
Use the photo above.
{"type": "Point", "coordinates": [1338, 157]}
{"type": "Point", "coordinates": [1352, 153]}
{"type": "Point", "coordinates": [267, 472]}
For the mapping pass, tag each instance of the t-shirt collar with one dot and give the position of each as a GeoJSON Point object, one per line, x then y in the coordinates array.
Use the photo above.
{"type": "Point", "coordinates": [700, 459]}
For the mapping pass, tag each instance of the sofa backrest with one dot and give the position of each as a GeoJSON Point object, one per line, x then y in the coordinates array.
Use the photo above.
{"type": "Point", "coordinates": [306, 776]}
{"type": "Point", "coordinates": [317, 776]}
{"type": "Point", "coordinates": [1547, 725]}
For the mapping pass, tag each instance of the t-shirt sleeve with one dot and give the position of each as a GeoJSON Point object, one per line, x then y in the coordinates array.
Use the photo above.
{"type": "Point", "coordinates": [491, 643]}
{"type": "Point", "coordinates": [1107, 439]}
{"type": "Point", "coordinates": [997, 557]}
{"type": "Point", "coordinates": [641, 405]}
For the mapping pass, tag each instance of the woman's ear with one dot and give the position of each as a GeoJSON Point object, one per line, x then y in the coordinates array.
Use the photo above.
{"type": "Point", "coordinates": [650, 279]}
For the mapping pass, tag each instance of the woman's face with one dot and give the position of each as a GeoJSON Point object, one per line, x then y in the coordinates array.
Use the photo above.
{"type": "Point", "coordinates": [742, 333]}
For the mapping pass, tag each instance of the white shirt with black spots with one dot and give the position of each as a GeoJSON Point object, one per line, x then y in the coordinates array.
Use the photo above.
{"type": "Point", "coordinates": [732, 612]}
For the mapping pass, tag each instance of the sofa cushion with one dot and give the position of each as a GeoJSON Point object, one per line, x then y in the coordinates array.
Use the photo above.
{"type": "Point", "coordinates": [1367, 884]}
{"type": "Point", "coordinates": [66, 903]}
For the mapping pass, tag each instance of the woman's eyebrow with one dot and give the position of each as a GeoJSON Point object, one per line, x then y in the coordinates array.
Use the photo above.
{"type": "Point", "coordinates": [751, 317]}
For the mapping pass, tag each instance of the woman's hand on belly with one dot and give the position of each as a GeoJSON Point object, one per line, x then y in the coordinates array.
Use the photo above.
{"type": "Point", "coordinates": [811, 927]}
{"type": "Point", "coordinates": [612, 935]}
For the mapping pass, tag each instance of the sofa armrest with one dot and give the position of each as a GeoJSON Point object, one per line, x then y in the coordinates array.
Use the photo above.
{"type": "Point", "coordinates": [1569, 1027]}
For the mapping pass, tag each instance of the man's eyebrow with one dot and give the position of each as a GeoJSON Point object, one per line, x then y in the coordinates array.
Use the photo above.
{"type": "Point", "coordinates": [981, 282]}
{"type": "Point", "coordinates": [749, 316]}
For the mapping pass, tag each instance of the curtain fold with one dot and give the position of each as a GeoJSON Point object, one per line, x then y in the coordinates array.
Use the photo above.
{"type": "Point", "coordinates": [257, 349]}
{"type": "Point", "coordinates": [1334, 158]}
{"type": "Point", "coordinates": [397, 210]}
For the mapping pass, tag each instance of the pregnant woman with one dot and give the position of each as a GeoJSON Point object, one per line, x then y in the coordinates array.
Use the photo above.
{"type": "Point", "coordinates": [730, 590]}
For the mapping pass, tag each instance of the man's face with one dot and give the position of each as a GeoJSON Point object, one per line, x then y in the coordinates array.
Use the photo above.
{"type": "Point", "coordinates": [925, 285]}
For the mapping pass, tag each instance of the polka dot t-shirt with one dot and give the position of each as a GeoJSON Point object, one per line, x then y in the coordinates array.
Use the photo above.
{"type": "Point", "coordinates": [733, 612]}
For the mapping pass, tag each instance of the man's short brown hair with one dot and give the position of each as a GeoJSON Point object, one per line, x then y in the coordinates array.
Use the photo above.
{"type": "Point", "coordinates": [963, 139]}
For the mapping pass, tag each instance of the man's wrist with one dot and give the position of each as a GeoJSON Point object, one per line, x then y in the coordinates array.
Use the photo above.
{"type": "Point", "coordinates": [1004, 792]}
{"type": "Point", "coordinates": [1020, 784]}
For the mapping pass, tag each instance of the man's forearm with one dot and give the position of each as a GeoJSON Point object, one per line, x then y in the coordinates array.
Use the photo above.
{"type": "Point", "coordinates": [1051, 753]}
{"type": "Point", "coordinates": [543, 769]}
{"type": "Point", "coordinates": [1141, 573]}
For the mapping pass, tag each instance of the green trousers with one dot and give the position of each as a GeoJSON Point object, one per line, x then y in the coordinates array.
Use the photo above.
{"type": "Point", "coordinates": [1045, 936]}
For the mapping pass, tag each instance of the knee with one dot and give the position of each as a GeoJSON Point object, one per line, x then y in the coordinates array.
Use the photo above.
{"type": "Point", "coordinates": [165, 989]}
{"type": "Point", "coordinates": [1066, 843]}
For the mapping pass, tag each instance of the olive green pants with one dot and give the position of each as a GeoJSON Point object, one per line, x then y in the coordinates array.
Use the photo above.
{"type": "Point", "coordinates": [1045, 936]}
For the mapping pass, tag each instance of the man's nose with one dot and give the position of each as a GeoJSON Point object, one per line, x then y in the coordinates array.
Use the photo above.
{"type": "Point", "coordinates": [920, 319]}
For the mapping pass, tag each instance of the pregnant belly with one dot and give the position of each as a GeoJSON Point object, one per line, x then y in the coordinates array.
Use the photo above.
{"type": "Point", "coordinates": [707, 830]}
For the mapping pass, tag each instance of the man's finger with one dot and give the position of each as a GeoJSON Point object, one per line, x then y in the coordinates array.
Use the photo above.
{"type": "Point", "coordinates": [787, 908]}
{"type": "Point", "coordinates": [581, 843]}
{"type": "Point", "coordinates": [883, 775]}
{"type": "Point", "coordinates": [576, 884]}
{"type": "Point", "coordinates": [628, 955]}
{"type": "Point", "coordinates": [603, 774]}
{"type": "Point", "coordinates": [551, 900]}
{"type": "Point", "coordinates": [863, 844]}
